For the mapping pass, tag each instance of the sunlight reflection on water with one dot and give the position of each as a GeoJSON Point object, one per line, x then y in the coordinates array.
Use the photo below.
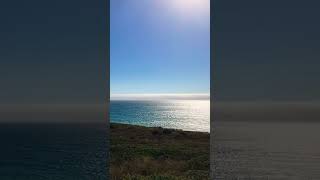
{"type": "Point", "coordinates": [190, 115]}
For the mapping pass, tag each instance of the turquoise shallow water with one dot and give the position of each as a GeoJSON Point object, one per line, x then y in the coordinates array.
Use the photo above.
{"type": "Point", "coordinates": [191, 115]}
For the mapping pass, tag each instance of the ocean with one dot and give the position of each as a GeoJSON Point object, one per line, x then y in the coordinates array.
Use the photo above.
{"type": "Point", "coordinates": [189, 115]}
{"type": "Point", "coordinates": [267, 150]}
{"type": "Point", "coordinates": [242, 149]}
{"type": "Point", "coordinates": [53, 151]}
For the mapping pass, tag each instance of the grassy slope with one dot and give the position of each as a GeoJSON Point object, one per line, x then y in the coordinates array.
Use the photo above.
{"type": "Point", "coordinates": [141, 153]}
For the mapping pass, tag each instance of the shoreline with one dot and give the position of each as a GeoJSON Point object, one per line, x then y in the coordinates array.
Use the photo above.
{"type": "Point", "coordinates": [147, 152]}
{"type": "Point", "coordinates": [158, 127]}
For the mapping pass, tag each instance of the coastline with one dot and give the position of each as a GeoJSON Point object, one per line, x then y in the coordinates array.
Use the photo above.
{"type": "Point", "coordinates": [139, 152]}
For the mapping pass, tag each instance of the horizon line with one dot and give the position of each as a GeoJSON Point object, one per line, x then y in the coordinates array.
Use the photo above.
{"type": "Point", "coordinates": [160, 96]}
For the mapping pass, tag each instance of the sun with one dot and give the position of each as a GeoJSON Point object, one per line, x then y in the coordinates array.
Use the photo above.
{"type": "Point", "coordinates": [191, 5]}
{"type": "Point", "coordinates": [188, 9]}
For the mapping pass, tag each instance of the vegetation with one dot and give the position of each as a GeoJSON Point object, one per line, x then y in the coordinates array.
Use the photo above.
{"type": "Point", "coordinates": [142, 153]}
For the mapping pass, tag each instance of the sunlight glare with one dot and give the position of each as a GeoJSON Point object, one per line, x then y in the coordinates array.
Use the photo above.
{"type": "Point", "coordinates": [190, 8]}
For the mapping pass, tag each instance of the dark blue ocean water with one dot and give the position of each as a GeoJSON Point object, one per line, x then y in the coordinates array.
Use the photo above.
{"type": "Point", "coordinates": [53, 151]}
{"type": "Point", "coordinates": [191, 115]}
{"type": "Point", "coordinates": [267, 150]}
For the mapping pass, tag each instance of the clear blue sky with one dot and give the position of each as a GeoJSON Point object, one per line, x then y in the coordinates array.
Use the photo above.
{"type": "Point", "coordinates": [160, 46]}
{"type": "Point", "coordinates": [53, 52]}
{"type": "Point", "coordinates": [267, 50]}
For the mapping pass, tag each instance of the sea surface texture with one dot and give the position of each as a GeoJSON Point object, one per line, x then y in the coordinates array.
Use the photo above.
{"type": "Point", "coordinates": [53, 151]}
{"type": "Point", "coordinates": [190, 115]}
{"type": "Point", "coordinates": [267, 150]}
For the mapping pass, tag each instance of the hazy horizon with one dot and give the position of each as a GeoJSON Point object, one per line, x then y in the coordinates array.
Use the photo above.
{"type": "Point", "coordinates": [160, 96]}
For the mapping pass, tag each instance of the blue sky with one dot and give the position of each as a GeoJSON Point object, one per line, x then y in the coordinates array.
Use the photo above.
{"type": "Point", "coordinates": [53, 52]}
{"type": "Point", "coordinates": [160, 46]}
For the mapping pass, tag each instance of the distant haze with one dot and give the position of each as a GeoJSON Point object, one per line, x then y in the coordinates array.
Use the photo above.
{"type": "Point", "coordinates": [263, 111]}
{"type": "Point", "coordinates": [168, 96]}
{"type": "Point", "coordinates": [53, 113]}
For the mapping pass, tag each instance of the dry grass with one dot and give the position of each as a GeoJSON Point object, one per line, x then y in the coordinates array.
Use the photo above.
{"type": "Point", "coordinates": [140, 153]}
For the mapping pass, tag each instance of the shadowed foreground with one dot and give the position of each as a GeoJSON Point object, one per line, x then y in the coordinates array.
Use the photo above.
{"type": "Point", "coordinates": [155, 153]}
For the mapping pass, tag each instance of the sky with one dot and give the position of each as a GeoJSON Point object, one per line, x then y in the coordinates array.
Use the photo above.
{"type": "Point", "coordinates": [160, 46]}
{"type": "Point", "coordinates": [267, 50]}
{"type": "Point", "coordinates": [53, 57]}
{"type": "Point", "coordinates": [266, 61]}
{"type": "Point", "coordinates": [52, 52]}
